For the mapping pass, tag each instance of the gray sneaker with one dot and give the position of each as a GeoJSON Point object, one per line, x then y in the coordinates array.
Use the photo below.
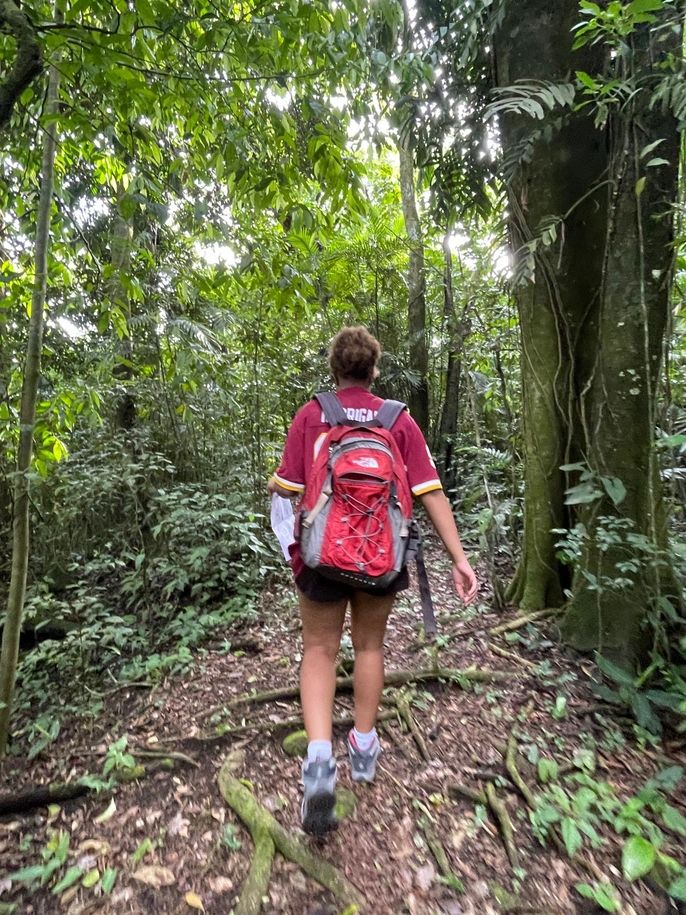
{"type": "Point", "coordinates": [319, 799]}
{"type": "Point", "coordinates": [363, 763]}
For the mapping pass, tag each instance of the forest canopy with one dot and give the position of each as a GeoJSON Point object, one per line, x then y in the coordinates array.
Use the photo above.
{"type": "Point", "coordinates": [196, 197]}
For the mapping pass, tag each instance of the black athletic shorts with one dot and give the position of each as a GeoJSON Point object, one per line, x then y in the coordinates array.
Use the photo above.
{"type": "Point", "coordinates": [324, 590]}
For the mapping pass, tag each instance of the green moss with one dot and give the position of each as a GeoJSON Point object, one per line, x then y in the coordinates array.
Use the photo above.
{"type": "Point", "coordinates": [295, 744]}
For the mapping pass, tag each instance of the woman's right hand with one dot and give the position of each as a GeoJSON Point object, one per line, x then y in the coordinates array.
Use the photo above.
{"type": "Point", "coordinates": [465, 581]}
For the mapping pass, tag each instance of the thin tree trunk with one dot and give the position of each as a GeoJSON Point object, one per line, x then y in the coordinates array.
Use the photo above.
{"type": "Point", "coordinates": [456, 333]}
{"type": "Point", "coordinates": [120, 257]}
{"type": "Point", "coordinates": [416, 287]}
{"type": "Point", "coordinates": [21, 529]}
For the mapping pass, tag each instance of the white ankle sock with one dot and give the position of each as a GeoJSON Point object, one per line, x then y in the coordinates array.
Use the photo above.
{"type": "Point", "coordinates": [364, 741]}
{"type": "Point", "coordinates": [319, 750]}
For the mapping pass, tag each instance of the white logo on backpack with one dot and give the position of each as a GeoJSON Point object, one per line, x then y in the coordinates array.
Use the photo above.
{"type": "Point", "coordinates": [368, 462]}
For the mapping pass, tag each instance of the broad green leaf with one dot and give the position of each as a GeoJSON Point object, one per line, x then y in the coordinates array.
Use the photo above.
{"type": "Point", "coordinates": [638, 858]}
{"type": "Point", "coordinates": [28, 874]}
{"type": "Point", "coordinates": [615, 489]}
{"type": "Point", "coordinates": [602, 894]}
{"type": "Point", "coordinates": [72, 875]}
{"type": "Point", "coordinates": [645, 6]}
{"type": "Point", "coordinates": [673, 819]}
{"type": "Point", "coordinates": [582, 494]}
{"type": "Point", "coordinates": [109, 878]}
{"type": "Point", "coordinates": [666, 779]}
{"type": "Point", "coordinates": [611, 670]}
{"type": "Point", "coordinates": [91, 878]}
{"type": "Point", "coordinates": [547, 770]}
{"type": "Point", "coordinates": [587, 80]}
{"type": "Point", "coordinates": [570, 836]}
{"type": "Point", "coordinates": [640, 185]}
{"type": "Point", "coordinates": [677, 889]}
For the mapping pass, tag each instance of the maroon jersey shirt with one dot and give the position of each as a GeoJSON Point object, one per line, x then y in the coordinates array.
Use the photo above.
{"type": "Point", "coordinates": [309, 428]}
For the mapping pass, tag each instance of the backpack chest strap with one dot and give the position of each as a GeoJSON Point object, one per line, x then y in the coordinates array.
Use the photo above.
{"type": "Point", "coordinates": [335, 414]}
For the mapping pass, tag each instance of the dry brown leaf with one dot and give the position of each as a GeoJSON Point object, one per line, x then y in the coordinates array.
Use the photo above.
{"type": "Point", "coordinates": [96, 846]}
{"type": "Point", "coordinates": [178, 826]}
{"type": "Point", "coordinates": [194, 901]}
{"type": "Point", "coordinates": [424, 876]}
{"type": "Point", "coordinates": [154, 875]}
{"type": "Point", "coordinates": [68, 896]}
{"type": "Point", "coordinates": [220, 885]}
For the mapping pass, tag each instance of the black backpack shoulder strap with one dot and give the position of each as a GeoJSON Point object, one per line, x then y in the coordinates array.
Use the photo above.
{"type": "Point", "coordinates": [334, 413]}
{"type": "Point", "coordinates": [388, 413]}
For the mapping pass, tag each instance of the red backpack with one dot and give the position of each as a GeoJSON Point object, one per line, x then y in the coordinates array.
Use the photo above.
{"type": "Point", "coordinates": [355, 521]}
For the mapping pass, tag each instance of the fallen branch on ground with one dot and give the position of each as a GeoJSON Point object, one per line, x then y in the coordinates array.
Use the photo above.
{"type": "Point", "coordinates": [42, 797]}
{"type": "Point", "coordinates": [392, 678]}
{"type": "Point", "coordinates": [438, 851]}
{"type": "Point", "coordinates": [261, 823]}
{"type": "Point", "coordinates": [286, 723]}
{"type": "Point", "coordinates": [520, 621]}
{"type": "Point", "coordinates": [59, 793]}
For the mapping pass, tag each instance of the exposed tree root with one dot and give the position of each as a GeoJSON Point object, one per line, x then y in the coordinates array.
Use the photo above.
{"type": "Point", "coordinates": [505, 824]}
{"type": "Point", "coordinates": [520, 621]}
{"type": "Point", "coordinates": [489, 798]}
{"type": "Point", "coordinates": [257, 882]}
{"type": "Point", "coordinates": [466, 793]}
{"type": "Point", "coordinates": [513, 771]}
{"type": "Point", "coordinates": [261, 823]}
{"type": "Point", "coordinates": [437, 850]}
{"type": "Point", "coordinates": [512, 656]}
{"type": "Point", "coordinates": [403, 705]}
{"type": "Point", "coordinates": [392, 678]}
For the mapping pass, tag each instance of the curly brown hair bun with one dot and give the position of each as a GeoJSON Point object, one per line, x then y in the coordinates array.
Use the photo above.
{"type": "Point", "coordinates": [354, 354]}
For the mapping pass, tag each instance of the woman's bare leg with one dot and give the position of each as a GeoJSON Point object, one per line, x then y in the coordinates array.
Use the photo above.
{"type": "Point", "coordinates": [369, 616]}
{"type": "Point", "coordinates": [322, 624]}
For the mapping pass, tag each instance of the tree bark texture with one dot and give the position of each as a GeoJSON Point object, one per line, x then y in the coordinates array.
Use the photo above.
{"type": "Point", "coordinates": [28, 61]}
{"type": "Point", "coordinates": [455, 332]}
{"type": "Point", "coordinates": [416, 287]}
{"type": "Point", "coordinates": [21, 528]}
{"type": "Point", "coordinates": [592, 316]}
{"type": "Point", "coordinates": [554, 173]}
{"type": "Point", "coordinates": [618, 403]}
{"type": "Point", "coordinates": [120, 257]}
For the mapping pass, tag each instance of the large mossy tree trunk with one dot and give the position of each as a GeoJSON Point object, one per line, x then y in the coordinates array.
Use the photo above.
{"type": "Point", "coordinates": [559, 272]}
{"type": "Point", "coordinates": [32, 369]}
{"type": "Point", "coordinates": [619, 400]}
{"type": "Point", "coordinates": [594, 239]}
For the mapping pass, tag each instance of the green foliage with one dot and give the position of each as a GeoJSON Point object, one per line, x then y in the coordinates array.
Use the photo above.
{"type": "Point", "coordinates": [531, 97]}
{"type": "Point", "coordinates": [603, 894]}
{"type": "Point", "coordinates": [117, 760]}
{"type": "Point", "coordinates": [584, 804]}
{"type": "Point", "coordinates": [615, 22]}
{"type": "Point", "coordinates": [230, 838]}
{"type": "Point", "coordinates": [635, 569]}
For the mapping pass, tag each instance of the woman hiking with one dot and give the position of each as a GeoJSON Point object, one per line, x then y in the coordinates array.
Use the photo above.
{"type": "Point", "coordinates": [353, 358]}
